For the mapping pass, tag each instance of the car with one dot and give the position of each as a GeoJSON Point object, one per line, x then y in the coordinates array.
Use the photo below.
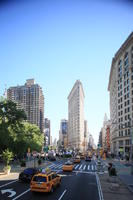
{"type": "Point", "coordinates": [45, 181]}
{"type": "Point", "coordinates": [88, 158]}
{"type": "Point", "coordinates": [27, 174]}
{"type": "Point", "coordinates": [82, 156]}
{"type": "Point", "coordinates": [52, 158]}
{"type": "Point", "coordinates": [77, 159]}
{"type": "Point", "coordinates": [68, 166]}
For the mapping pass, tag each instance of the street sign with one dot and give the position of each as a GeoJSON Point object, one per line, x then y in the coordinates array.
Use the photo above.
{"type": "Point", "coordinates": [12, 193]}
{"type": "Point", "coordinates": [45, 149]}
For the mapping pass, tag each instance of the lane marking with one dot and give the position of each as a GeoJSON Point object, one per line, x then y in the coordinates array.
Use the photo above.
{"type": "Point", "coordinates": [85, 172]}
{"type": "Point", "coordinates": [21, 194]}
{"type": "Point", "coordinates": [8, 183]}
{"type": "Point", "coordinates": [84, 167]}
{"type": "Point", "coordinates": [56, 166]}
{"type": "Point", "coordinates": [76, 166]}
{"type": "Point", "coordinates": [92, 167]}
{"type": "Point", "coordinates": [51, 166]}
{"type": "Point", "coordinates": [99, 187]}
{"type": "Point", "coordinates": [88, 167]}
{"type": "Point", "coordinates": [12, 193]}
{"type": "Point", "coordinates": [58, 171]}
{"type": "Point", "coordinates": [62, 195]}
{"type": "Point", "coordinates": [60, 166]}
{"type": "Point", "coordinates": [80, 167]}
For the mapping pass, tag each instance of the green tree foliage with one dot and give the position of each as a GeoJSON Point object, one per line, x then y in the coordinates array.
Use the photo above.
{"type": "Point", "coordinates": [7, 156]}
{"type": "Point", "coordinates": [10, 118]}
{"type": "Point", "coordinates": [29, 136]}
{"type": "Point", "coordinates": [15, 133]}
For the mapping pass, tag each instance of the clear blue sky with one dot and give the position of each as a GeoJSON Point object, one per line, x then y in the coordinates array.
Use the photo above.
{"type": "Point", "coordinates": [57, 42]}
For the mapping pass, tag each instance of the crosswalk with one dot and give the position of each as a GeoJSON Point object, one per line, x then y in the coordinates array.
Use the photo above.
{"type": "Point", "coordinates": [77, 167]}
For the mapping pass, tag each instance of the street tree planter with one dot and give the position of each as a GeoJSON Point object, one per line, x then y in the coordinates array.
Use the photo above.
{"type": "Point", "coordinates": [7, 169]}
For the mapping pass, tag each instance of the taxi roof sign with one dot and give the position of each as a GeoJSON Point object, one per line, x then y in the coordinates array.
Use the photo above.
{"type": "Point", "coordinates": [46, 170]}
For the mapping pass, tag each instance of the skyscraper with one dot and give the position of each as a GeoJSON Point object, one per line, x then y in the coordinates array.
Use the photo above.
{"type": "Point", "coordinates": [76, 117]}
{"type": "Point", "coordinates": [47, 131]}
{"type": "Point", "coordinates": [30, 98]}
{"type": "Point", "coordinates": [121, 99]}
{"type": "Point", "coordinates": [63, 136]}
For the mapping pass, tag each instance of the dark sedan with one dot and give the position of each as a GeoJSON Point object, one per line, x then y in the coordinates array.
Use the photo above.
{"type": "Point", "coordinates": [27, 174]}
{"type": "Point", "coordinates": [88, 158]}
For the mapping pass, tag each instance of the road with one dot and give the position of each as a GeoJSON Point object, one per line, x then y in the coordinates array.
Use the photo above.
{"type": "Point", "coordinates": [80, 184]}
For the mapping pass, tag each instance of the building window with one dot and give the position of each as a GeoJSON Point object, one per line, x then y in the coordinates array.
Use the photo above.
{"type": "Point", "coordinates": [121, 143]}
{"type": "Point", "coordinates": [126, 62]}
{"type": "Point", "coordinates": [125, 132]}
{"type": "Point", "coordinates": [127, 142]}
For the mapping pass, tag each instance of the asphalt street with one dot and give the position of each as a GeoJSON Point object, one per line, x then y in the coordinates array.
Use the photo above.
{"type": "Point", "coordinates": [80, 184]}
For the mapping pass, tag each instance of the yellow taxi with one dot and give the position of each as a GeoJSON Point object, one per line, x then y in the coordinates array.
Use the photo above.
{"type": "Point", "coordinates": [45, 181]}
{"type": "Point", "coordinates": [68, 166]}
{"type": "Point", "coordinates": [77, 159]}
{"type": "Point", "coordinates": [82, 156]}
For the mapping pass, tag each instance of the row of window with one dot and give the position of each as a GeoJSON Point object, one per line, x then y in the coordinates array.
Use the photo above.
{"type": "Point", "coordinates": [126, 75]}
{"type": "Point", "coordinates": [127, 132]}
{"type": "Point", "coordinates": [121, 142]}
{"type": "Point", "coordinates": [126, 110]}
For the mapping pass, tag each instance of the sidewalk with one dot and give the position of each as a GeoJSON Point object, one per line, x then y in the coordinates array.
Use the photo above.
{"type": "Point", "coordinates": [124, 172]}
{"type": "Point", "coordinates": [113, 188]}
{"type": "Point", "coordinates": [16, 169]}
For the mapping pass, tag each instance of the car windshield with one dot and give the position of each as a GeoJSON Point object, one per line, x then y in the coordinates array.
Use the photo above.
{"type": "Point", "coordinates": [39, 179]}
{"type": "Point", "coordinates": [68, 163]}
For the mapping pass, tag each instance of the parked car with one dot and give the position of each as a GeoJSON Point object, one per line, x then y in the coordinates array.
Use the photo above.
{"type": "Point", "coordinates": [27, 174]}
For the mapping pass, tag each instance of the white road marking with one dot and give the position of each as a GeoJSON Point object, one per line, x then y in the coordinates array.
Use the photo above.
{"type": "Point", "coordinates": [8, 183]}
{"type": "Point", "coordinates": [57, 166]}
{"type": "Point", "coordinates": [77, 166]}
{"type": "Point", "coordinates": [21, 194]}
{"type": "Point", "coordinates": [84, 167]}
{"type": "Point", "coordinates": [12, 193]}
{"type": "Point", "coordinates": [85, 172]}
{"type": "Point", "coordinates": [88, 167]}
{"type": "Point", "coordinates": [51, 166]}
{"type": "Point", "coordinates": [92, 167]}
{"type": "Point", "coordinates": [99, 188]}
{"type": "Point", "coordinates": [62, 195]}
{"type": "Point", "coordinates": [80, 167]}
{"type": "Point", "coordinates": [60, 166]}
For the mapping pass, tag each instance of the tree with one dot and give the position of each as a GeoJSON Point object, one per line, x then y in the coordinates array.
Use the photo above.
{"type": "Point", "coordinates": [10, 120]}
{"type": "Point", "coordinates": [15, 133]}
{"type": "Point", "coordinates": [7, 156]}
